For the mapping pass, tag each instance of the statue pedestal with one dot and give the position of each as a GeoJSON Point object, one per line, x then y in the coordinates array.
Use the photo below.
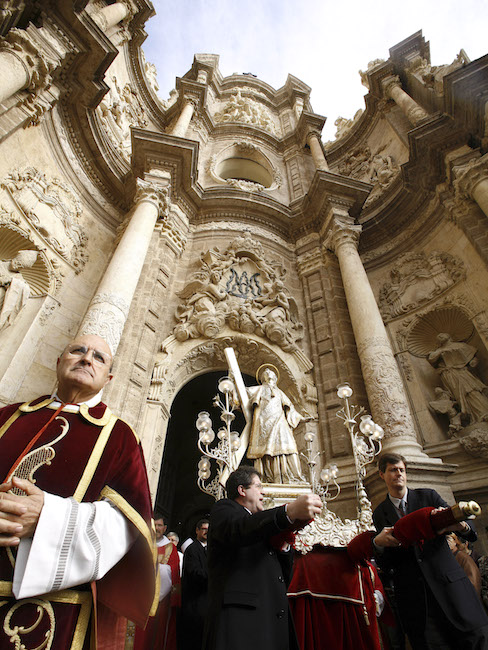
{"type": "Point", "coordinates": [277, 494]}
{"type": "Point", "coordinates": [474, 439]}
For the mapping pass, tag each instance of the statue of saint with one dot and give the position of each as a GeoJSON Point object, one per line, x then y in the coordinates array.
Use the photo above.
{"type": "Point", "coordinates": [272, 445]}
{"type": "Point", "coordinates": [14, 289]}
{"type": "Point", "coordinates": [453, 360]}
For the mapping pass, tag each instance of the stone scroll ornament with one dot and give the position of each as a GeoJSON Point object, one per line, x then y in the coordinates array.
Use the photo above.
{"type": "Point", "coordinates": [242, 290]}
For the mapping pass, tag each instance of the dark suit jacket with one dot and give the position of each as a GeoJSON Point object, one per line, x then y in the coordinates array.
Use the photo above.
{"type": "Point", "coordinates": [194, 585]}
{"type": "Point", "coordinates": [433, 564]}
{"type": "Point", "coordinates": [247, 579]}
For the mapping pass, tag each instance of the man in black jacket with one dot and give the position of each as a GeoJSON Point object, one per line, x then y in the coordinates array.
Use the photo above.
{"type": "Point", "coordinates": [437, 604]}
{"type": "Point", "coordinates": [194, 585]}
{"type": "Point", "coordinates": [249, 566]}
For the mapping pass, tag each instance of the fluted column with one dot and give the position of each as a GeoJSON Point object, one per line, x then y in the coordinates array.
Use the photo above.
{"type": "Point", "coordinates": [387, 398]}
{"type": "Point", "coordinates": [109, 307]}
{"type": "Point", "coordinates": [471, 180]}
{"type": "Point", "coordinates": [392, 87]}
{"type": "Point", "coordinates": [313, 141]}
{"type": "Point", "coordinates": [184, 118]}
{"type": "Point", "coordinates": [22, 66]}
{"type": "Point", "coordinates": [111, 15]}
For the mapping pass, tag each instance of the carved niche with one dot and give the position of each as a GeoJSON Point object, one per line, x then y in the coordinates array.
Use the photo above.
{"type": "Point", "coordinates": [118, 111]}
{"type": "Point", "coordinates": [245, 110]}
{"type": "Point", "coordinates": [241, 289]}
{"type": "Point", "coordinates": [416, 279]}
{"type": "Point", "coordinates": [52, 210]}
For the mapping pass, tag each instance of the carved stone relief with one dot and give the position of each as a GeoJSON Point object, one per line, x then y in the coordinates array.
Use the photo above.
{"type": "Point", "coordinates": [244, 110]}
{"type": "Point", "coordinates": [53, 210]}
{"type": "Point", "coordinates": [416, 279]}
{"type": "Point", "coordinates": [242, 289]}
{"type": "Point", "coordinates": [380, 170]}
{"type": "Point", "coordinates": [118, 111]}
{"type": "Point", "coordinates": [433, 75]}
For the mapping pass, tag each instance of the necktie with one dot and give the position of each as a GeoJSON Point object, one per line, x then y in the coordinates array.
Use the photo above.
{"type": "Point", "coordinates": [402, 506]}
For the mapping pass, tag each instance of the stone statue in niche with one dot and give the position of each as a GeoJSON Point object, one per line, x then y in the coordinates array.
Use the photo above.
{"type": "Point", "coordinates": [14, 289]}
{"type": "Point", "coordinates": [242, 290]}
{"type": "Point", "coordinates": [272, 445]}
{"type": "Point", "coordinates": [454, 360]}
{"type": "Point", "coordinates": [445, 405]}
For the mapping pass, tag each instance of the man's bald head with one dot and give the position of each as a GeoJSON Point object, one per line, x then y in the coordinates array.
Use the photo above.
{"type": "Point", "coordinates": [83, 368]}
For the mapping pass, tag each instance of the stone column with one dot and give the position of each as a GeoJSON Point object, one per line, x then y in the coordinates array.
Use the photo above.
{"type": "Point", "coordinates": [392, 87]}
{"type": "Point", "coordinates": [109, 307]}
{"type": "Point", "coordinates": [22, 66]}
{"type": "Point", "coordinates": [313, 141]}
{"type": "Point", "coordinates": [386, 394]}
{"type": "Point", "coordinates": [471, 180]}
{"type": "Point", "coordinates": [111, 15]}
{"type": "Point", "coordinates": [184, 119]}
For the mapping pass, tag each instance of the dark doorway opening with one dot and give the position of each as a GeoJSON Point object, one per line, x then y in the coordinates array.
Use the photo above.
{"type": "Point", "coordinates": [179, 497]}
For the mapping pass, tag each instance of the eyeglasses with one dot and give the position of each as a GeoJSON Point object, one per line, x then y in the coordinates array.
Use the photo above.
{"type": "Point", "coordinates": [98, 358]}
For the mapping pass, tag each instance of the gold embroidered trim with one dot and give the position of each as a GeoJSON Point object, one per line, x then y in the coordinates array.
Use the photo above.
{"type": "Point", "coordinates": [27, 408]}
{"type": "Point", "coordinates": [133, 516]}
{"type": "Point", "coordinates": [9, 422]}
{"type": "Point", "coordinates": [82, 598]}
{"type": "Point", "coordinates": [101, 422]}
{"type": "Point", "coordinates": [94, 459]}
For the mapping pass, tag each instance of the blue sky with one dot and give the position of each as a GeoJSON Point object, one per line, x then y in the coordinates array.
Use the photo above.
{"type": "Point", "coordinates": [322, 43]}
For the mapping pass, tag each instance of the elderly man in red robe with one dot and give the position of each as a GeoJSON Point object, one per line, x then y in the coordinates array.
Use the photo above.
{"type": "Point", "coordinates": [160, 632]}
{"type": "Point", "coordinates": [77, 547]}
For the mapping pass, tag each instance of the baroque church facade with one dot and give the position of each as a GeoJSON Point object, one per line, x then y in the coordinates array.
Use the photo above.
{"type": "Point", "coordinates": [219, 218]}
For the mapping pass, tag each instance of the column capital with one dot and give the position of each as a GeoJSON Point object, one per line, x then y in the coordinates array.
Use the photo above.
{"type": "Point", "coordinates": [342, 232]}
{"type": "Point", "coordinates": [390, 82]}
{"type": "Point", "coordinates": [468, 175]}
{"type": "Point", "coordinates": [110, 15]}
{"type": "Point", "coordinates": [151, 193]}
{"type": "Point", "coordinates": [38, 66]}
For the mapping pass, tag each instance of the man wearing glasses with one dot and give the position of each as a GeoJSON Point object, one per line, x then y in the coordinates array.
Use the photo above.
{"type": "Point", "coordinates": [249, 567]}
{"type": "Point", "coordinates": [75, 512]}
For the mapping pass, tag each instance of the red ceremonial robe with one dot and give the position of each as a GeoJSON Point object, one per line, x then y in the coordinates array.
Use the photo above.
{"type": "Point", "coordinates": [160, 632]}
{"type": "Point", "coordinates": [99, 457]}
{"type": "Point", "coordinates": [332, 601]}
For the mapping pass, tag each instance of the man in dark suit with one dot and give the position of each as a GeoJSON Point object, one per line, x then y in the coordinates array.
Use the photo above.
{"type": "Point", "coordinates": [194, 585]}
{"type": "Point", "coordinates": [249, 565]}
{"type": "Point", "coordinates": [437, 605]}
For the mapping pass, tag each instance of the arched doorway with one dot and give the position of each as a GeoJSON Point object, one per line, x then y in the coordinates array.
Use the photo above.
{"type": "Point", "coordinates": [178, 496]}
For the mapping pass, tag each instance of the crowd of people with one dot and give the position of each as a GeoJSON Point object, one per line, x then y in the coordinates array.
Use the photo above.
{"type": "Point", "coordinates": [80, 553]}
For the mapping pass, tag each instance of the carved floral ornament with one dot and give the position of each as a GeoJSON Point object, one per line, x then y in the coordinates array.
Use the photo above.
{"type": "Point", "coordinates": [52, 210]}
{"type": "Point", "coordinates": [240, 289]}
{"type": "Point", "coordinates": [417, 279]}
{"type": "Point", "coordinates": [242, 109]}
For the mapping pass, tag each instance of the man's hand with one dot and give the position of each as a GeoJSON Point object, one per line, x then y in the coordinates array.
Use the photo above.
{"type": "Point", "coordinates": [19, 514]}
{"type": "Point", "coordinates": [386, 538]}
{"type": "Point", "coordinates": [304, 507]}
{"type": "Point", "coordinates": [459, 527]}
